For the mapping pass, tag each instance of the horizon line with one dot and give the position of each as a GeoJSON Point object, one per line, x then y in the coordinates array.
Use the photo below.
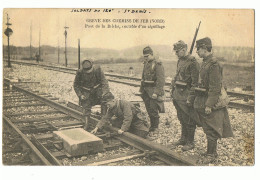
{"type": "Point", "coordinates": [112, 48]}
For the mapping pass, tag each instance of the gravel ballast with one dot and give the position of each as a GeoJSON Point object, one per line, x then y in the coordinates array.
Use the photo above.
{"type": "Point", "coordinates": [236, 151]}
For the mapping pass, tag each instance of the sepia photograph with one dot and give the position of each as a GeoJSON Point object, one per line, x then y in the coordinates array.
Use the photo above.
{"type": "Point", "coordinates": [128, 87]}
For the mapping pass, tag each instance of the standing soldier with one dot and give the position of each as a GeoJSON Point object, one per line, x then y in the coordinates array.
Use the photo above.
{"type": "Point", "coordinates": [92, 88]}
{"type": "Point", "coordinates": [183, 84]}
{"type": "Point", "coordinates": [215, 121]}
{"type": "Point", "coordinates": [152, 87]}
{"type": "Point", "coordinates": [128, 117]}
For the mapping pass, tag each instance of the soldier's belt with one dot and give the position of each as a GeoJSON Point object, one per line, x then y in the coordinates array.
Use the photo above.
{"type": "Point", "coordinates": [148, 83]}
{"type": "Point", "coordinates": [201, 91]}
{"type": "Point", "coordinates": [181, 84]}
{"type": "Point", "coordinates": [89, 89]}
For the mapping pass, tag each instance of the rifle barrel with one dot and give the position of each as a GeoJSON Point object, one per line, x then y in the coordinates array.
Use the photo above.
{"type": "Point", "coordinates": [194, 38]}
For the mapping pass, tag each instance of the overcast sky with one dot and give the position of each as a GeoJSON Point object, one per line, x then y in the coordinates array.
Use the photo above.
{"type": "Point", "coordinates": [224, 27]}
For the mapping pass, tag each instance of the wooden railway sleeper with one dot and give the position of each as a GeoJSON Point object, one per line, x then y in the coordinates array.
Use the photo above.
{"type": "Point", "coordinates": [69, 127]}
{"type": "Point", "coordinates": [54, 144]}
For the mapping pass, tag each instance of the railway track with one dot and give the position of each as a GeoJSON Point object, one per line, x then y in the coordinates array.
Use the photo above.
{"type": "Point", "coordinates": [238, 100]}
{"type": "Point", "coordinates": [33, 118]}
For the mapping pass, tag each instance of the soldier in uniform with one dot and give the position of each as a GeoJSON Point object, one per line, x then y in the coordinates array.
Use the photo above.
{"type": "Point", "coordinates": [152, 87]}
{"type": "Point", "coordinates": [92, 88]}
{"type": "Point", "coordinates": [215, 121]}
{"type": "Point", "coordinates": [128, 117]}
{"type": "Point", "coordinates": [183, 84]}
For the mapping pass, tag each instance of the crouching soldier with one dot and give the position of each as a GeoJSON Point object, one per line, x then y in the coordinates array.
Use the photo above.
{"type": "Point", "coordinates": [92, 88]}
{"type": "Point", "coordinates": [152, 87]}
{"type": "Point", "coordinates": [211, 108]}
{"type": "Point", "coordinates": [183, 94]}
{"type": "Point", "coordinates": [128, 117]}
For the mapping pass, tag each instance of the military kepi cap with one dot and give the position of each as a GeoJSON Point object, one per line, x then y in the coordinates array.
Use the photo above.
{"type": "Point", "coordinates": [179, 45]}
{"type": "Point", "coordinates": [204, 43]}
{"type": "Point", "coordinates": [108, 97]}
{"type": "Point", "coordinates": [87, 60]}
{"type": "Point", "coordinates": [88, 66]}
{"type": "Point", "coordinates": [147, 50]}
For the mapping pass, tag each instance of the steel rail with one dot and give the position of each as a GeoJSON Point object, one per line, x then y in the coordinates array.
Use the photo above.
{"type": "Point", "coordinates": [45, 152]}
{"type": "Point", "coordinates": [231, 93]}
{"type": "Point", "coordinates": [162, 151]}
{"type": "Point", "coordinates": [35, 151]}
{"type": "Point", "coordinates": [51, 103]}
{"type": "Point", "coordinates": [241, 106]}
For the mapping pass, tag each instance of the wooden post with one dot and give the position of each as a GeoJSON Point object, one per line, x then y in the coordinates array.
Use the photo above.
{"type": "Point", "coordinates": [78, 53]}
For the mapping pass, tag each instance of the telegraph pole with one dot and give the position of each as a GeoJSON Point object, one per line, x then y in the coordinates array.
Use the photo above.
{"type": "Point", "coordinates": [31, 41]}
{"type": "Point", "coordinates": [58, 51]}
{"type": "Point", "coordinates": [8, 32]}
{"type": "Point", "coordinates": [65, 34]}
{"type": "Point", "coordinates": [78, 53]}
{"type": "Point", "coordinates": [39, 45]}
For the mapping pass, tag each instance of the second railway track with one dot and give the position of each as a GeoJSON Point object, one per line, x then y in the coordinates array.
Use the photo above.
{"type": "Point", "coordinates": [238, 100]}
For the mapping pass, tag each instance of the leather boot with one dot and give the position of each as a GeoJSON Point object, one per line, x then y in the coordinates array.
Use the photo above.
{"type": "Point", "coordinates": [182, 140]}
{"type": "Point", "coordinates": [153, 124]}
{"type": "Point", "coordinates": [212, 152]}
{"type": "Point", "coordinates": [189, 139]}
{"type": "Point", "coordinates": [86, 123]}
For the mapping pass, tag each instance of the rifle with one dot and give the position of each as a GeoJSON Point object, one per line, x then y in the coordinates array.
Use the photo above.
{"type": "Point", "coordinates": [194, 38]}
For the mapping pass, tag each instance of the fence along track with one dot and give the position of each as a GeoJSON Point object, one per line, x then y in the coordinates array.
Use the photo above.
{"type": "Point", "coordinates": [156, 150]}
{"type": "Point", "coordinates": [237, 105]}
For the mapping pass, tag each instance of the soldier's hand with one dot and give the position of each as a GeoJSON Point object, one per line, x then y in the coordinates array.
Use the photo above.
{"type": "Point", "coordinates": [188, 103]}
{"type": "Point", "coordinates": [83, 97]}
{"type": "Point", "coordinates": [94, 131]}
{"type": "Point", "coordinates": [120, 131]}
{"type": "Point", "coordinates": [208, 110]}
{"type": "Point", "coordinates": [154, 96]}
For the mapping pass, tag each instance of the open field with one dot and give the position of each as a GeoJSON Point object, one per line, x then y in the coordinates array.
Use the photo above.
{"type": "Point", "coordinates": [234, 76]}
{"type": "Point", "coordinates": [238, 62]}
{"type": "Point", "coordinates": [239, 70]}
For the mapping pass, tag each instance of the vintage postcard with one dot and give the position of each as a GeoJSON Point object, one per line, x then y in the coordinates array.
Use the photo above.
{"type": "Point", "coordinates": [128, 87]}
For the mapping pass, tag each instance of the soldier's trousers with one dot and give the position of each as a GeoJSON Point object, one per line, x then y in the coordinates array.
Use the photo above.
{"type": "Point", "coordinates": [92, 101]}
{"type": "Point", "coordinates": [188, 125]}
{"type": "Point", "coordinates": [211, 134]}
{"type": "Point", "coordinates": [87, 108]}
{"type": "Point", "coordinates": [152, 110]}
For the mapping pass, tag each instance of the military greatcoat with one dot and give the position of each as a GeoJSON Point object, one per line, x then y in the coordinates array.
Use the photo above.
{"type": "Point", "coordinates": [153, 72]}
{"type": "Point", "coordinates": [188, 73]}
{"type": "Point", "coordinates": [93, 86]}
{"type": "Point", "coordinates": [211, 80]}
{"type": "Point", "coordinates": [153, 81]}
